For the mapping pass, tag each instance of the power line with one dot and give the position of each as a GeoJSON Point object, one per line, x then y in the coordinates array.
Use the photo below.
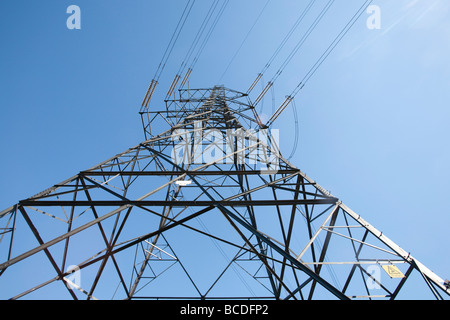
{"type": "Point", "coordinates": [321, 60]}
{"type": "Point", "coordinates": [167, 53]}
{"type": "Point", "coordinates": [332, 46]}
{"type": "Point", "coordinates": [283, 43]}
{"type": "Point", "coordinates": [208, 36]}
{"type": "Point", "coordinates": [294, 51]}
{"type": "Point", "coordinates": [243, 41]}
{"type": "Point", "coordinates": [303, 39]}
{"type": "Point", "coordinates": [198, 36]}
{"type": "Point", "coordinates": [174, 39]}
{"type": "Point", "coordinates": [191, 50]}
{"type": "Point", "coordinates": [296, 134]}
{"type": "Point", "coordinates": [195, 43]}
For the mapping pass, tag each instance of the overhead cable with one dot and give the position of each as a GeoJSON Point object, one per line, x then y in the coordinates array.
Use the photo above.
{"type": "Point", "coordinates": [295, 51]}
{"type": "Point", "coordinates": [282, 44]}
{"type": "Point", "coordinates": [167, 53]}
{"type": "Point", "coordinates": [321, 60]}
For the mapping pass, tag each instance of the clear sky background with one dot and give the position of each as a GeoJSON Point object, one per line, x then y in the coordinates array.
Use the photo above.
{"type": "Point", "coordinates": [373, 121]}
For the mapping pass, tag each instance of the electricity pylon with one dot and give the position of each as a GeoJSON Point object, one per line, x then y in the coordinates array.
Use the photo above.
{"type": "Point", "coordinates": [207, 208]}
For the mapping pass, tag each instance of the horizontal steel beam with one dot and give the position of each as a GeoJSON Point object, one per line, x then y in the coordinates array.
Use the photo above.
{"type": "Point", "coordinates": [190, 173]}
{"type": "Point", "coordinates": [149, 203]}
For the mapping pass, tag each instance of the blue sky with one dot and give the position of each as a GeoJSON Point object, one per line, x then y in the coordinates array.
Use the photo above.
{"type": "Point", "coordinates": [373, 120]}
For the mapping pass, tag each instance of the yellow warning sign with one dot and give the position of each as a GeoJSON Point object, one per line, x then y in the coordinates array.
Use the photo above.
{"type": "Point", "coordinates": [393, 271]}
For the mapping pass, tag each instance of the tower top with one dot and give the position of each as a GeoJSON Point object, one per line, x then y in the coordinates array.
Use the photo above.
{"type": "Point", "coordinates": [187, 105]}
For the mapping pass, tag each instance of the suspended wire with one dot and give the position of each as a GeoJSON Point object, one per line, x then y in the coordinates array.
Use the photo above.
{"type": "Point", "coordinates": [190, 52]}
{"type": "Point", "coordinates": [288, 36]}
{"type": "Point", "coordinates": [321, 60]}
{"type": "Point", "coordinates": [198, 36]}
{"type": "Point", "coordinates": [173, 40]}
{"type": "Point", "coordinates": [303, 40]}
{"type": "Point", "coordinates": [208, 36]}
{"type": "Point", "coordinates": [332, 46]}
{"type": "Point", "coordinates": [167, 54]}
{"type": "Point", "coordinates": [195, 43]}
{"type": "Point", "coordinates": [244, 41]}
{"type": "Point", "coordinates": [296, 134]}
{"type": "Point", "coordinates": [292, 53]}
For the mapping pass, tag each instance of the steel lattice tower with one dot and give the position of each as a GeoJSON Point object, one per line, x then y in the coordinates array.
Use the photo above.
{"type": "Point", "coordinates": [206, 208]}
